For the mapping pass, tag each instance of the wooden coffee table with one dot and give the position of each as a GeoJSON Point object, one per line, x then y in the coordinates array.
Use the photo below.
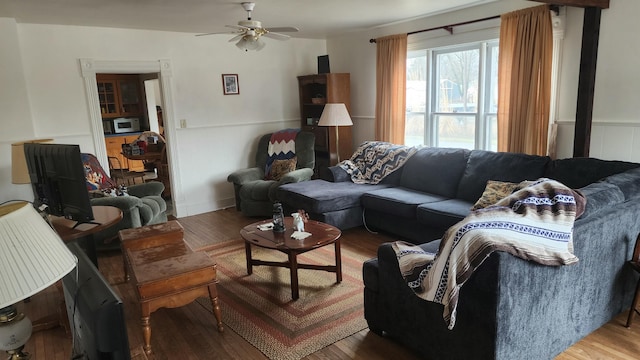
{"type": "Point", "coordinates": [322, 235]}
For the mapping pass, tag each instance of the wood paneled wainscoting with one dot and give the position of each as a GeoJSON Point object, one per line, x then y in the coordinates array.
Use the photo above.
{"type": "Point", "coordinates": [188, 332]}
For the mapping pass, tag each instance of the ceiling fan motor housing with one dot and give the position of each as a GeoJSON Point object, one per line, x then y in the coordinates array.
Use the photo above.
{"type": "Point", "coordinates": [251, 24]}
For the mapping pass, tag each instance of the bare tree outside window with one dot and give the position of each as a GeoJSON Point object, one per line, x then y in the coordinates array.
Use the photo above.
{"type": "Point", "coordinates": [443, 106]}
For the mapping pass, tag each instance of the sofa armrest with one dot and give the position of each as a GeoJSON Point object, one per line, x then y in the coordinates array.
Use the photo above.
{"type": "Point", "coordinates": [335, 174]}
{"type": "Point", "coordinates": [151, 188]}
{"type": "Point", "coordinates": [245, 175]}
{"type": "Point", "coordinates": [296, 176]}
{"type": "Point", "coordinates": [124, 203]}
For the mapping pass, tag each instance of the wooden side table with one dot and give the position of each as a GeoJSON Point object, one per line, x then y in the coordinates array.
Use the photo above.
{"type": "Point", "coordinates": [166, 272]}
{"type": "Point", "coordinates": [104, 217]}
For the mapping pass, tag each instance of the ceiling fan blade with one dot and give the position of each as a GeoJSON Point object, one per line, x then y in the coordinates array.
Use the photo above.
{"type": "Point", "coordinates": [237, 27]}
{"type": "Point", "coordinates": [237, 37]}
{"type": "Point", "coordinates": [216, 33]}
{"type": "Point", "coordinates": [283, 29]}
{"type": "Point", "coordinates": [277, 36]}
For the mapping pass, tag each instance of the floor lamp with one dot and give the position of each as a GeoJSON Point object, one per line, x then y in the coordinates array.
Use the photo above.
{"type": "Point", "coordinates": [335, 115]}
{"type": "Point", "coordinates": [32, 258]}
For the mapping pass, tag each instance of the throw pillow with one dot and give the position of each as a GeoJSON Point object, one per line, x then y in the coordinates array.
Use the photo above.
{"type": "Point", "coordinates": [280, 167]}
{"type": "Point", "coordinates": [494, 192]}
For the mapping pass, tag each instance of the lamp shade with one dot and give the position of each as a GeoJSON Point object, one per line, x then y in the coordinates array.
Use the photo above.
{"type": "Point", "coordinates": [335, 115]}
{"type": "Point", "coordinates": [19, 171]}
{"type": "Point", "coordinates": [32, 255]}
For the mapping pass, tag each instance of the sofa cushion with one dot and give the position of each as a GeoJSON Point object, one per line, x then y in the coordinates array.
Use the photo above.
{"type": "Point", "coordinates": [280, 167]}
{"type": "Point", "coordinates": [435, 170]}
{"type": "Point", "coordinates": [499, 166]}
{"type": "Point", "coordinates": [496, 191]}
{"type": "Point", "coordinates": [398, 201]}
{"type": "Point", "coordinates": [443, 214]}
{"type": "Point", "coordinates": [320, 196]}
{"type": "Point", "coordinates": [338, 174]}
{"type": "Point", "coordinates": [580, 172]}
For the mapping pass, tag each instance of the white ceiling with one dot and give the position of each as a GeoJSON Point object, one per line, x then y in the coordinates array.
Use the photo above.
{"type": "Point", "coordinates": [315, 19]}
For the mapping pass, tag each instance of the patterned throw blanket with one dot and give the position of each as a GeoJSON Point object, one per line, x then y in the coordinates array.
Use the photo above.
{"type": "Point", "coordinates": [374, 160]}
{"type": "Point", "coordinates": [534, 223]}
{"type": "Point", "coordinates": [282, 146]}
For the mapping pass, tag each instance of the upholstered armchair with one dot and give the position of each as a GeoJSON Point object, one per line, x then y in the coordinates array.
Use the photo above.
{"type": "Point", "coordinates": [255, 191]}
{"type": "Point", "coordinates": [143, 204]}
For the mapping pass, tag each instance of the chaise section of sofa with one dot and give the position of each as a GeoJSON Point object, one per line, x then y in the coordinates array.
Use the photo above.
{"type": "Point", "coordinates": [336, 203]}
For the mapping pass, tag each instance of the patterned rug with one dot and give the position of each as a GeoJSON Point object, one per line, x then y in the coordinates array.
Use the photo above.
{"type": "Point", "coordinates": [259, 306]}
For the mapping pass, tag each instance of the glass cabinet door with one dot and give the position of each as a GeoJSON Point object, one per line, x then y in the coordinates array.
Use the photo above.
{"type": "Point", "coordinates": [129, 97]}
{"type": "Point", "coordinates": [107, 97]}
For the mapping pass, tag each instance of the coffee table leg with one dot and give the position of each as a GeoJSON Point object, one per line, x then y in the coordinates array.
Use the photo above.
{"type": "Point", "coordinates": [247, 249]}
{"type": "Point", "coordinates": [146, 328]}
{"type": "Point", "coordinates": [213, 294]}
{"type": "Point", "coordinates": [293, 261]}
{"type": "Point", "coordinates": [338, 262]}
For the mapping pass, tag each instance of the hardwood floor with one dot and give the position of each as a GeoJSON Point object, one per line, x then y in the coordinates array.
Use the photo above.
{"type": "Point", "coordinates": [189, 332]}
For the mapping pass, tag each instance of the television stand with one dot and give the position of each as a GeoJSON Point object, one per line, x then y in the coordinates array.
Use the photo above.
{"type": "Point", "coordinates": [70, 230]}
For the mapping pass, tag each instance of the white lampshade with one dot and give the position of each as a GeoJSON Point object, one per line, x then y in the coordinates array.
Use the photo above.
{"type": "Point", "coordinates": [32, 255]}
{"type": "Point", "coordinates": [335, 115]}
{"type": "Point", "coordinates": [19, 171]}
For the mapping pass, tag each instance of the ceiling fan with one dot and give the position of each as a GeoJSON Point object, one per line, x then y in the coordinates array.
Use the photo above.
{"type": "Point", "coordinates": [249, 32]}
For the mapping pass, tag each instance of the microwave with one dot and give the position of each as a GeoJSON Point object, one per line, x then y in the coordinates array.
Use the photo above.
{"type": "Point", "coordinates": [126, 125]}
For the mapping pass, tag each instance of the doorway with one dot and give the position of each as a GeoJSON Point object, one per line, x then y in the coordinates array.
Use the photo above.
{"type": "Point", "coordinates": [161, 71]}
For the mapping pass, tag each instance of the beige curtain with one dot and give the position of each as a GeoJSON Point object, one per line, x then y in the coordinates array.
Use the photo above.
{"type": "Point", "coordinates": [524, 80]}
{"type": "Point", "coordinates": [391, 78]}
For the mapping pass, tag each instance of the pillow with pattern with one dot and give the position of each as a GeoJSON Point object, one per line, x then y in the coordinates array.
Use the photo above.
{"type": "Point", "coordinates": [496, 191]}
{"type": "Point", "coordinates": [280, 167]}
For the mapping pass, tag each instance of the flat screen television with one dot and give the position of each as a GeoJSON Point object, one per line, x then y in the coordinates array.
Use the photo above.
{"type": "Point", "coordinates": [58, 180]}
{"type": "Point", "coordinates": [95, 312]}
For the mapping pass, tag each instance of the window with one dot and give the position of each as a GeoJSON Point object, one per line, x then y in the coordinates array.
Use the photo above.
{"type": "Point", "coordinates": [452, 96]}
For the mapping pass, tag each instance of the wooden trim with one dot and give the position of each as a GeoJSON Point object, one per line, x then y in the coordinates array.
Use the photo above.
{"type": "Point", "coordinates": [601, 4]}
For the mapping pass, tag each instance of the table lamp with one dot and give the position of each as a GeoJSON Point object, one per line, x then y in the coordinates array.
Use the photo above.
{"type": "Point", "coordinates": [335, 115]}
{"type": "Point", "coordinates": [19, 171]}
{"type": "Point", "coordinates": [32, 258]}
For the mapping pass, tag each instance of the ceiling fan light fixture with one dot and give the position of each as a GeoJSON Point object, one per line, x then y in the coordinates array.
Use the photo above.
{"type": "Point", "coordinates": [250, 43]}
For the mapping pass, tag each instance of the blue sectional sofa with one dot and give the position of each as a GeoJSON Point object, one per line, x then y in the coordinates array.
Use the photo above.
{"type": "Point", "coordinates": [433, 190]}
{"type": "Point", "coordinates": [510, 308]}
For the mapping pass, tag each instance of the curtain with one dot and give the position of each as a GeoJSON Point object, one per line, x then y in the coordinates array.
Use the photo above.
{"type": "Point", "coordinates": [524, 80]}
{"type": "Point", "coordinates": [391, 78]}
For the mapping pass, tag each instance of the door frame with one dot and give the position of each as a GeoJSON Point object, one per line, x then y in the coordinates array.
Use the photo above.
{"type": "Point", "coordinates": [89, 69]}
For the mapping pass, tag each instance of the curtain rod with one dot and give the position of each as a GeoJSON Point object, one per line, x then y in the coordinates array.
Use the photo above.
{"type": "Point", "coordinates": [449, 28]}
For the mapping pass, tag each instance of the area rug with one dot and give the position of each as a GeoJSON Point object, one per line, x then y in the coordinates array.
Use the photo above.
{"type": "Point", "coordinates": [259, 306]}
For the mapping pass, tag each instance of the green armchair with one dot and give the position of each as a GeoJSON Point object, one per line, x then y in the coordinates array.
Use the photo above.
{"type": "Point", "coordinates": [144, 204]}
{"type": "Point", "coordinates": [254, 194]}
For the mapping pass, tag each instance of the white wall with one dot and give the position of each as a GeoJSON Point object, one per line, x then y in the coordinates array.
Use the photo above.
{"type": "Point", "coordinates": [616, 120]}
{"type": "Point", "coordinates": [221, 130]}
{"type": "Point", "coordinates": [42, 94]}
{"type": "Point", "coordinates": [14, 102]}
{"type": "Point", "coordinates": [616, 127]}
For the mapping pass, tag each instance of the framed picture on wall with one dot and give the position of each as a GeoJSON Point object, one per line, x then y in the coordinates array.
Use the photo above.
{"type": "Point", "coordinates": [230, 85]}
